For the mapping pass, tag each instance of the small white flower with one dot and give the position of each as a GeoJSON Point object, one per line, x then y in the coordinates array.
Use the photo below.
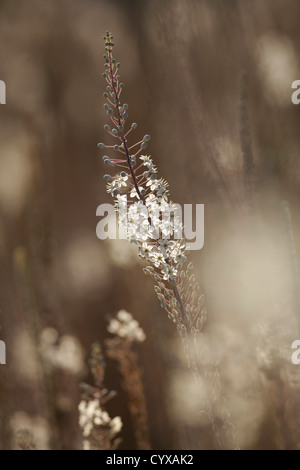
{"type": "Point", "coordinates": [166, 227]}
{"type": "Point", "coordinates": [116, 425]}
{"type": "Point", "coordinates": [161, 189]}
{"type": "Point", "coordinates": [178, 253]}
{"type": "Point", "coordinates": [126, 327]}
{"type": "Point", "coordinates": [148, 163]}
{"type": "Point", "coordinates": [91, 415]}
{"type": "Point", "coordinates": [154, 184]}
{"type": "Point", "coordinates": [165, 244]}
{"type": "Point", "coordinates": [134, 193]}
{"type": "Point", "coordinates": [158, 259]}
{"type": "Point", "coordinates": [113, 326]}
{"type": "Point", "coordinates": [124, 316]}
{"type": "Point", "coordinates": [110, 187]}
{"type": "Point", "coordinates": [145, 249]}
{"type": "Point", "coordinates": [169, 272]}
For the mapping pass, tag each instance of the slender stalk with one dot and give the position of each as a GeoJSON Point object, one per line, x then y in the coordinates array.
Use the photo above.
{"type": "Point", "coordinates": [133, 175]}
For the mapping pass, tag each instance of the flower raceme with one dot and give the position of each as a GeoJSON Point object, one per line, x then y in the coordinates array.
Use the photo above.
{"type": "Point", "coordinates": [157, 219]}
{"type": "Point", "coordinates": [151, 221]}
{"type": "Point", "coordinates": [148, 194]}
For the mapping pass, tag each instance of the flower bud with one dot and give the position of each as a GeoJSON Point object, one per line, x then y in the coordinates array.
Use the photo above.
{"type": "Point", "coordinates": [106, 127]}
{"type": "Point", "coordinates": [143, 145]}
{"type": "Point", "coordinates": [134, 125]}
{"type": "Point", "coordinates": [107, 177]}
{"type": "Point", "coordinates": [146, 138]}
{"type": "Point", "coordinates": [114, 132]}
{"type": "Point", "coordinates": [100, 145]}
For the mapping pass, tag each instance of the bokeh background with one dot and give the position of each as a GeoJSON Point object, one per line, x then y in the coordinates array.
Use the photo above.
{"type": "Point", "coordinates": [210, 80]}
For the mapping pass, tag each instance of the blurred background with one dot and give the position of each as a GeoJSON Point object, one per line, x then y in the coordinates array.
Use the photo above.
{"type": "Point", "coordinates": [210, 80]}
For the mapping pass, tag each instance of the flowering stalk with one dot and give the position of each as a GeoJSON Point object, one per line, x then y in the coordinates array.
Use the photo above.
{"type": "Point", "coordinates": [99, 430]}
{"type": "Point", "coordinates": [127, 331]}
{"type": "Point", "coordinates": [150, 222]}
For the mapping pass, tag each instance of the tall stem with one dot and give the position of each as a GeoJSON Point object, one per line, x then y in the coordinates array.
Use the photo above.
{"type": "Point", "coordinates": [141, 197]}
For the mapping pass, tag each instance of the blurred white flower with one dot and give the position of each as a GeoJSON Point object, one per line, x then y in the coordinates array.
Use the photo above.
{"type": "Point", "coordinates": [126, 327]}
{"type": "Point", "coordinates": [91, 415]}
{"type": "Point", "coordinates": [64, 353]}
